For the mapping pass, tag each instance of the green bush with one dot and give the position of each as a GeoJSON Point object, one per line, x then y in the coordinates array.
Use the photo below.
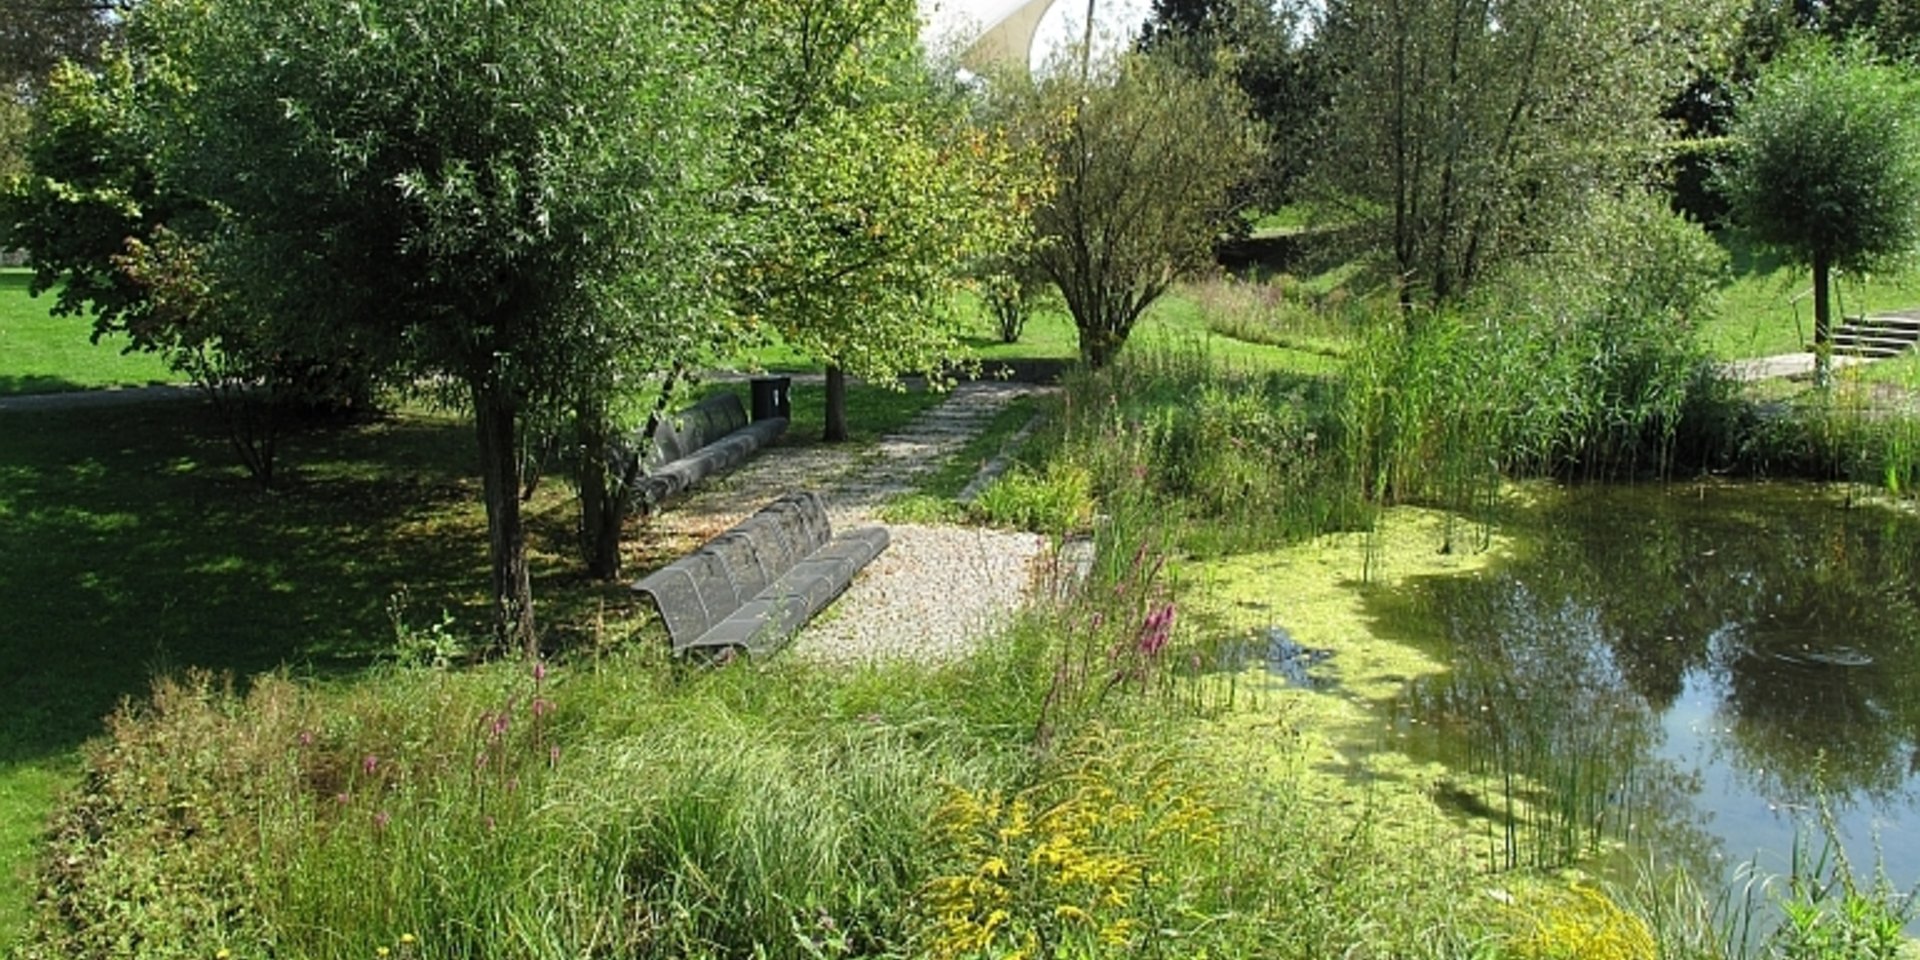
{"type": "Point", "coordinates": [1056, 500]}
{"type": "Point", "coordinates": [1584, 364]}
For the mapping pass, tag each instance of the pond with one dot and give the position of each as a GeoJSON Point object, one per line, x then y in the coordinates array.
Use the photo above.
{"type": "Point", "coordinates": [1691, 672]}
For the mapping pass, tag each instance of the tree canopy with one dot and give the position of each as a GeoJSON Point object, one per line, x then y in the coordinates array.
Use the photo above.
{"type": "Point", "coordinates": [1469, 133]}
{"type": "Point", "coordinates": [1825, 165]}
{"type": "Point", "coordinates": [1145, 155]}
{"type": "Point", "coordinates": [870, 192]}
{"type": "Point", "coordinates": [514, 200]}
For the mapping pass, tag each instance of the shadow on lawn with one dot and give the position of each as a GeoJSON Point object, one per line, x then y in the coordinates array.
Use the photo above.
{"type": "Point", "coordinates": [33, 384]}
{"type": "Point", "coordinates": [135, 547]}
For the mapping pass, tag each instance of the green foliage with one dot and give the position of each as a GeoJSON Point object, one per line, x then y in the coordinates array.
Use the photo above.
{"type": "Point", "coordinates": [1144, 155]}
{"type": "Point", "coordinates": [1825, 166]}
{"type": "Point", "coordinates": [1467, 135]}
{"type": "Point", "coordinates": [517, 202]}
{"type": "Point", "coordinates": [1058, 500]}
{"type": "Point", "coordinates": [872, 194]}
{"type": "Point", "coordinates": [1241, 452]}
{"type": "Point", "coordinates": [1591, 368]}
{"type": "Point", "coordinates": [90, 188]}
{"type": "Point", "coordinates": [15, 120]}
{"type": "Point", "coordinates": [1259, 45]}
{"type": "Point", "coordinates": [1280, 311]}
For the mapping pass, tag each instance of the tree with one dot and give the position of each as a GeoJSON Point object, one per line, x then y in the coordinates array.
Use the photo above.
{"type": "Point", "coordinates": [1826, 166]}
{"type": "Point", "coordinates": [1262, 46]}
{"type": "Point", "coordinates": [114, 241]}
{"type": "Point", "coordinates": [511, 199]}
{"type": "Point", "coordinates": [36, 35]}
{"type": "Point", "coordinates": [870, 194]}
{"type": "Point", "coordinates": [1144, 156]}
{"type": "Point", "coordinates": [1471, 132]}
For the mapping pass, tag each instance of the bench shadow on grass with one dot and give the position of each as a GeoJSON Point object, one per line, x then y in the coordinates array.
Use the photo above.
{"type": "Point", "coordinates": [135, 547]}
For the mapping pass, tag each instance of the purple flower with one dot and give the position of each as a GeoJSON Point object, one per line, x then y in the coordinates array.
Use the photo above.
{"type": "Point", "coordinates": [542, 706]}
{"type": "Point", "coordinates": [539, 671]}
{"type": "Point", "coordinates": [1156, 631]}
{"type": "Point", "coordinates": [370, 764]}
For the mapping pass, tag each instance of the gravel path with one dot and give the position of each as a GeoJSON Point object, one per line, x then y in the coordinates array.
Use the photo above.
{"type": "Point", "coordinates": [937, 590]}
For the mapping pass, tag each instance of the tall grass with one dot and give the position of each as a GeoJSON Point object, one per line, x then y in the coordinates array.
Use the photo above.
{"type": "Point", "coordinates": [1237, 453]}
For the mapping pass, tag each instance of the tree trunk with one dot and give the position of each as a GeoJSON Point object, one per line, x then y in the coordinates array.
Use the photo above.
{"type": "Point", "coordinates": [1097, 346]}
{"type": "Point", "coordinates": [1822, 321]}
{"type": "Point", "coordinates": [495, 421]}
{"type": "Point", "coordinates": [603, 480]}
{"type": "Point", "coordinates": [836, 431]}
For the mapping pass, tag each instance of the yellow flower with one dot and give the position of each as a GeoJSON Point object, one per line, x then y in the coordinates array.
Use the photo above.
{"type": "Point", "coordinates": [406, 939]}
{"type": "Point", "coordinates": [222, 954]}
{"type": "Point", "coordinates": [381, 951]}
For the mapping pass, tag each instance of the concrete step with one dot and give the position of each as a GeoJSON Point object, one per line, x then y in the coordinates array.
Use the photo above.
{"type": "Point", "coordinates": [1880, 336]}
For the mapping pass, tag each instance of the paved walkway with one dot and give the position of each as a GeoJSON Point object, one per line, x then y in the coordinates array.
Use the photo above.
{"type": "Point", "coordinates": [89, 399]}
{"type": "Point", "coordinates": [937, 590]}
{"type": "Point", "coordinates": [854, 480]}
{"type": "Point", "coordinates": [1782, 365]}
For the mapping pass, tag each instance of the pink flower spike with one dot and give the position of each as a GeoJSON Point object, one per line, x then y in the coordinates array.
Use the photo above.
{"type": "Point", "coordinates": [370, 764]}
{"type": "Point", "coordinates": [539, 671]}
{"type": "Point", "coordinates": [553, 755]}
{"type": "Point", "coordinates": [342, 798]}
{"type": "Point", "coordinates": [381, 819]}
{"type": "Point", "coordinates": [542, 706]}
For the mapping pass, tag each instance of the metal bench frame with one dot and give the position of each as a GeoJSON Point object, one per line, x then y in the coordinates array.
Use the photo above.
{"type": "Point", "coordinates": [710, 437]}
{"type": "Point", "coordinates": [753, 587]}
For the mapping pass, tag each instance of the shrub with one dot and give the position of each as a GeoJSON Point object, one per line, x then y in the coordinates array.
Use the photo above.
{"type": "Point", "coordinates": [1056, 500]}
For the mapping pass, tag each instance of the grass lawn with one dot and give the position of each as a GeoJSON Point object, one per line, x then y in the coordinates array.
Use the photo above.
{"type": "Point", "coordinates": [47, 354]}
{"type": "Point", "coordinates": [1768, 307]}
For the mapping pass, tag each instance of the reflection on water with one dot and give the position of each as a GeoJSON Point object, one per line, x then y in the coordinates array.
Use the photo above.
{"type": "Point", "coordinates": [1690, 669]}
{"type": "Point", "coordinates": [1274, 650]}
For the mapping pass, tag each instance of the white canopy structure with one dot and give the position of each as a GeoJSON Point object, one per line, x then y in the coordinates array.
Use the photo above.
{"type": "Point", "coordinates": [990, 31]}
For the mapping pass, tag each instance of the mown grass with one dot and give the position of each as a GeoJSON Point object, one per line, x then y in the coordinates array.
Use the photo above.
{"type": "Point", "coordinates": [40, 353]}
{"type": "Point", "coordinates": [1767, 307]}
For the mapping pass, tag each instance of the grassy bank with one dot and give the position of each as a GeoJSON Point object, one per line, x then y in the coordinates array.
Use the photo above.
{"type": "Point", "coordinates": [47, 354]}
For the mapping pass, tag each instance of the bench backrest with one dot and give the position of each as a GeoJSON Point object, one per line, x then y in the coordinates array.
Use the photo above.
{"type": "Point", "coordinates": [699, 590]}
{"type": "Point", "coordinates": [680, 434]}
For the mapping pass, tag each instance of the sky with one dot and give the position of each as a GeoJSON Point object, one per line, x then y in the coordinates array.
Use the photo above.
{"type": "Point", "coordinates": [1116, 21]}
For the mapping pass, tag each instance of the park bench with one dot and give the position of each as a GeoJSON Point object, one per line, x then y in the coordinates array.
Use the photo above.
{"type": "Point", "coordinates": [710, 437]}
{"type": "Point", "coordinates": [753, 587]}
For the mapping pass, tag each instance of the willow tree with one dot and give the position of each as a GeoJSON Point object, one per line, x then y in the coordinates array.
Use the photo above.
{"type": "Point", "coordinates": [1468, 133]}
{"type": "Point", "coordinates": [870, 195]}
{"type": "Point", "coordinates": [1145, 156]}
{"type": "Point", "coordinates": [513, 198]}
{"type": "Point", "coordinates": [1826, 166]}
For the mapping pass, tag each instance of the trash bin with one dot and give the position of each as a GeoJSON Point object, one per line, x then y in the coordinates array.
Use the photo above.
{"type": "Point", "coordinates": [771, 398]}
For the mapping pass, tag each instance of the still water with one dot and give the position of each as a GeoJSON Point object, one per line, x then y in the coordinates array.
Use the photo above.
{"type": "Point", "coordinates": [1685, 671]}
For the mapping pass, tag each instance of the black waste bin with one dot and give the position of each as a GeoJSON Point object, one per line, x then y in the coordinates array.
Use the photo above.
{"type": "Point", "coordinates": [771, 398]}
